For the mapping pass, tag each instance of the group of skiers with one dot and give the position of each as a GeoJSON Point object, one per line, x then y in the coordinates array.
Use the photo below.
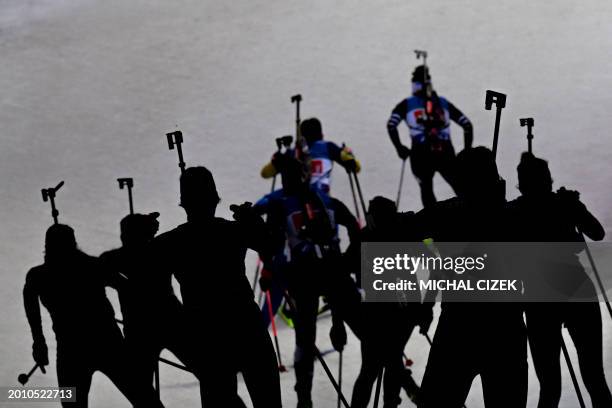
{"type": "Point", "coordinates": [302, 262]}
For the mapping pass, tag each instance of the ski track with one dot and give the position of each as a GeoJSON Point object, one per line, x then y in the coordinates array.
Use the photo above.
{"type": "Point", "coordinates": [90, 87]}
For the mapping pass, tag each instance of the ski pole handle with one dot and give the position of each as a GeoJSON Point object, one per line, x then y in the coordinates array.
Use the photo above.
{"type": "Point", "coordinates": [529, 123]}
{"type": "Point", "coordinates": [175, 139]}
{"type": "Point", "coordinates": [499, 99]}
{"type": "Point", "coordinates": [129, 183]}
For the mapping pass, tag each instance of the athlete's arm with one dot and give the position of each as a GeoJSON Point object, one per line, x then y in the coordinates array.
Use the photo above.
{"type": "Point", "coordinates": [397, 115]}
{"type": "Point", "coordinates": [345, 218]}
{"type": "Point", "coordinates": [40, 352]}
{"type": "Point", "coordinates": [32, 307]}
{"type": "Point", "coordinates": [590, 226]}
{"type": "Point", "coordinates": [458, 117]}
{"type": "Point", "coordinates": [344, 157]}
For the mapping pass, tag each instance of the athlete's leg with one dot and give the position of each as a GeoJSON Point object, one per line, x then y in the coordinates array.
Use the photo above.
{"type": "Point", "coordinates": [423, 170]}
{"type": "Point", "coordinates": [74, 370]}
{"type": "Point", "coordinates": [116, 362]}
{"type": "Point", "coordinates": [446, 168]}
{"type": "Point", "coordinates": [394, 363]}
{"type": "Point", "coordinates": [451, 366]}
{"type": "Point", "coordinates": [259, 366]}
{"type": "Point", "coordinates": [371, 362]}
{"type": "Point", "coordinates": [305, 320]}
{"type": "Point", "coordinates": [584, 325]}
{"type": "Point", "coordinates": [505, 368]}
{"type": "Point", "coordinates": [544, 332]}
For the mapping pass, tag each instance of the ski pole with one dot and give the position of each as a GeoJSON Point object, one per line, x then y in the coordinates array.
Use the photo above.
{"type": "Point", "coordinates": [401, 182]}
{"type": "Point", "coordinates": [499, 99]}
{"type": "Point", "coordinates": [156, 378]}
{"type": "Point", "coordinates": [378, 386]}
{"type": "Point", "coordinates": [358, 185]}
{"type": "Point", "coordinates": [529, 123]}
{"type": "Point", "coordinates": [23, 378]}
{"type": "Point", "coordinates": [319, 356]}
{"type": "Point", "coordinates": [129, 183]}
{"type": "Point", "coordinates": [256, 276]}
{"type": "Point", "coordinates": [340, 378]}
{"type": "Point", "coordinates": [357, 212]}
{"type": "Point", "coordinates": [175, 139]}
{"type": "Point", "coordinates": [281, 367]}
{"type": "Point", "coordinates": [596, 273]}
{"type": "Point", "coordinates": [48, 194]}
{"type": "Point", "coordinates": [570, 367]}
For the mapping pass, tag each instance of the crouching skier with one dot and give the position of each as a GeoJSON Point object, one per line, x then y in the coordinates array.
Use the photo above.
{"type": "Point", "coordinates": [153, 318]}
{"type": "Point", "coordinates": [206, 255]}
{"type": "Point", "coordinates": [308, 219]}
{"type": "Point", "coordinates": [70, 284]}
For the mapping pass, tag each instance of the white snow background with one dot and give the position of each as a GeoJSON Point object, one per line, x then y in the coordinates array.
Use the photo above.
{"type": "Point", "coordinates": [88, 88]}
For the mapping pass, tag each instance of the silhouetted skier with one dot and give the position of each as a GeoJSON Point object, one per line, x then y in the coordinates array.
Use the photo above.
{"type": "Point", "coordinates": [384, 328]}
{"type": "Point", "coordinates": [70, 284]}
{"type": "Point", "coordinates": [432, 150]}
{"type": "Point", "coordinates": [480, 338]}
{"type": "Point", "coordinates": [153, 318]}
{"type": "Point", "coordinates": [308, 218]}
{"type": "Point", "coordinates": [321, 155]}
{"type": "Point", "coordinates": [206, 255]}
{"type": "Point", "coordinates": [541, 215]}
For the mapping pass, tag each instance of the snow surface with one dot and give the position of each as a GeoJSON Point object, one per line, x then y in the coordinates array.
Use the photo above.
{"type": "Point", "coordinates": [88, 88]}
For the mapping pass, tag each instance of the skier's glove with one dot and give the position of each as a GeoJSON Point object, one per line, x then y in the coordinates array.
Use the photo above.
{"type": "Point", "coordinates": [246, 214]}
{"type": "Point", "coordinates": [265, 280]}
{"type": "Point", "coordinates": [40, 353]}
{"type": "Point", "coordinates": [570, 201]}
{"type": "Point", "coordinates": [425, 318]}
{"type": "Point", "coordinates": [337, 335]}
{"type": "Point", "coordinates": [403, 152]}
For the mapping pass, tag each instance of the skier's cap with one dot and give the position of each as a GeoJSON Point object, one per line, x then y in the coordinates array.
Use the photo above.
{"type": "Point", "coordinates": [137, 223]}
{"type": "Point", "coordinates": [381, 205]}
{"type": "Point", "coordinates": [197, 186]}
{"type": "Point", "coordinates": [60, 236]}
{"type": "Point", "coordinates": [476, 169]}
{"type": "Point", "coordinates": [533, 173]}
{"type": "Point", "coordinates": [419, 73]}
{"type": "Point", "coordinates": [311, 129]}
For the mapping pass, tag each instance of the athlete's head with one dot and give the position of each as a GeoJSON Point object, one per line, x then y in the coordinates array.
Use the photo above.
{"type": "Point", "coordinates": [60, 243]}
{"type": "Point", "coordinates": [311, 130]}
{"type": "Point", "coordinates": [138, 229]}
{"type": "Point", "coordinates": [533, 175]}
{"type": "Point", "coordinates": [383, 212]}
{"type": "Point", "coordinates": [199, 195]}
{"type": "Point", "coordinates": [420, 78]}
{"type": "Point", "coordinates": [477, 176]}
